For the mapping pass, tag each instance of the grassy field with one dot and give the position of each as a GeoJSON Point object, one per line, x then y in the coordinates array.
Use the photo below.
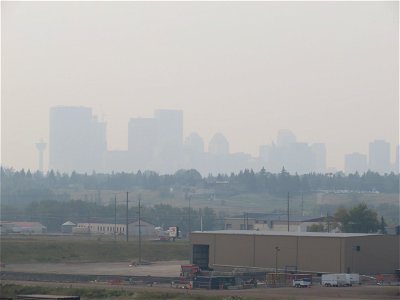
{"type": "Point", "coordinates": [28, 249]}
{"type": "Point", "coordinates": [12, 290]}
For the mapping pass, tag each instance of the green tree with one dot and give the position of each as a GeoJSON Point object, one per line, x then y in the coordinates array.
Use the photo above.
{"type": "Point", "coordinates": [358, 219]}
{"type": "Point", "coordinates": [320, 227]}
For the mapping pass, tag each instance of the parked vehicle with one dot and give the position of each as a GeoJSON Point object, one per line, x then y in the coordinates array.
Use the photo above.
{"type": "Point", "coordinates": [334, 280]}
{"type": "Point", "coordinates": [353, 278]}
{"type": "Point", "coordinates": [302, 283]}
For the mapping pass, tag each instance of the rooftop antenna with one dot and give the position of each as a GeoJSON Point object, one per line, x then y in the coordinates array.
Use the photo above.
{"type": "Point", "coordinates": [41, 146]}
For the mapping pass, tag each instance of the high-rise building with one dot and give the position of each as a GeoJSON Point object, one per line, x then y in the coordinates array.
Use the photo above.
{"type": "Point", "coordinates": [355, 162]}
{"type": "Point", "coordinates": [379, 156]}
{"type": "Point", "coordinates": [218, 145]}
{"type": "Point", "coordinates": [397, 162]}
{"type": "Point", "coordinates": [193, 152]}
{"type": "Point", "coordinates": [169, 150]}
{"type": "Point", "coordinates": [77, 140]}
{"type": "Point", "coordinates": [295, 157]}
{"type": "Point", "coordinates": [194, 144]}
{"type": "Point", "coordinates": [285, 138]}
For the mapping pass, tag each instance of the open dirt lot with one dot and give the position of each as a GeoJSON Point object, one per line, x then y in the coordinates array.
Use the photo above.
{"type": "Point", "coordinates": [313, 293]}
{"type": "Point", "coordinates": [172, 269]}
{"type": "Point", "coordinates": [158, 269]}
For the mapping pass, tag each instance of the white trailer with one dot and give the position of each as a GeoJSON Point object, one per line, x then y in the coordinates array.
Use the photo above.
{"type": "Point", "coordinates": [353, 278]}
{"type": "Point", "coordinates": [334, 280]}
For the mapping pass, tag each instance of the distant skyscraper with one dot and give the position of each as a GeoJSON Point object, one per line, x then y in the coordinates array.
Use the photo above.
{"type": "Point", "coordinates": [194, 156]}
{"type": "Point", "coordinates": [218, 145]}
{"type": "Point", "coordinates": [77, 140]}
{"type": "Point", "coordinates": [355, 162]}
{"type": "Point", "coordinates": [319, 152]}
{"type": "Point", "coordinates": [295, 157]}
{"type": "Point", "coordinates": [194, 143]}
{"type": "Point", "coordinates": [397, 161]}
{"type": "Point", "coordinates": [285, 137]}
{"type": "Point", "coordinates": [169, 150]}
{"type": "Point", "coordinates": [379, 156]}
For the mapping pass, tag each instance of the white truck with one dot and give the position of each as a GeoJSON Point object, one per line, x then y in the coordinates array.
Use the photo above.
{"type": "Point", "coordinates": [334, 280]}
{"type": "Point", "coordinates": [302, 282]}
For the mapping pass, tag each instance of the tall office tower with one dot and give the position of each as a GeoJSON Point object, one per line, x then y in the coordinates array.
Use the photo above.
{"type": "Point", "coordinates": [397, 162]}
{"type": "Point", "coordinates": [355, 162]}
{"type": "Point", "coordinates": [142, 142]}
{"type": "Point", "coordinates": [194, 144]}
{"type": "Point", "coordinates": [169, 150]}
{"type": "Point", "coordinates": [77, 140]}
{"type": "Point", "coordinates": [285, 138]}
{"type": "Point", "coordinates": [193, 151]}
{"type": "Point", "coordinates": [218, 145]}
{"type": "Point", "coordinates": [295, 157]}
{"type": "Point", "coordinates": [319, 152]}
{"type": "Point", "coordinates": [379, 156]}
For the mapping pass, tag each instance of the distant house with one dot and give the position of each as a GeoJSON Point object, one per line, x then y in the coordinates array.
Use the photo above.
{"type": "Point", "coordinates": [22, 227]}
{"type": "Point", "coordinates": [67, 227]}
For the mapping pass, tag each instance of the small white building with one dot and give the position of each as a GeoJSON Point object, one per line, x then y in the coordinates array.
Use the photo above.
{"type": "Point", "coordinates": [67, 227]}
{"type": "Point", "coordinates": [23, 227]}
{"type": "Point", "coordinates": [147, 229]}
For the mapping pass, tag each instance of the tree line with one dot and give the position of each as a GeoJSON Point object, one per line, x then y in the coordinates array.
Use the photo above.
{"type": "Point", "coordinates": [23, 187]}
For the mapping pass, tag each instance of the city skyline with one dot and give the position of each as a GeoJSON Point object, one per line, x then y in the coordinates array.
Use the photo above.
{"type": "Point", "coordinates": [243, 69]}
{"type": "Point", "coordinates": [78, 143]}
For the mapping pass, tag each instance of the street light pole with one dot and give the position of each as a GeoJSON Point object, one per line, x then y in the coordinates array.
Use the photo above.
{"type": "Point", "coordinates": [288, 221]}
{"type": "Point", "coordinates": [115, 217]}
{"type": "Point", "coordinates": [140, 235]}
{"type": "Point", "coordinates": [190, 221]}
{"type": "Point", "coordinates": [126, 231]}
{"type": "Point", "coordinates": [276, 259]}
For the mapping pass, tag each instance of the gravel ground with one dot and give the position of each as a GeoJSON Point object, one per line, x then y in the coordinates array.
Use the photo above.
{"type": "Point", "coordinates": [172, 269]}
{"type": "Point", "coordinates": [159, 269]}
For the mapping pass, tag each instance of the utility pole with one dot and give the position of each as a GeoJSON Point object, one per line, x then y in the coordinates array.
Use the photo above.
{"type": "Point", "coordinates": [115, 217]}
{"type": "Point", "coordinates": [140, 236]}
{"type": "Point", "coordinates": [190, 221]}
{"type": "Point", "coordinates": [288, 221]}
{"type": "Point", "coordinates": [302, 205]}
{"type": "Point", "coordinates": [126, 231]}
{"type": "Point", "coordinates": [276, 259]}
{"type": "Point", "coordinates": [328, 221]}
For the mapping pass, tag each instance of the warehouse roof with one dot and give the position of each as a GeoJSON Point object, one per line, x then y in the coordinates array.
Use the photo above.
{"type": "Point", "coordinates": [284, 233]}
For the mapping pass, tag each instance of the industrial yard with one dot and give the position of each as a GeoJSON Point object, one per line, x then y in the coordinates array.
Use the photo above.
{"type": "Point", "coordinates": [155, 277]}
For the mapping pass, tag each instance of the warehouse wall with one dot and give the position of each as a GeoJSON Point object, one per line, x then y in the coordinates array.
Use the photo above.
{"type": "Point", "coordinates": [378, 254]}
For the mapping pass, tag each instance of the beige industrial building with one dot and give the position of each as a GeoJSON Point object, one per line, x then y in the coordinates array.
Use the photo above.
{"type": "Point", "coordinates": [302, 251]}
{"type": "Point", "coordinates": [147, 229]}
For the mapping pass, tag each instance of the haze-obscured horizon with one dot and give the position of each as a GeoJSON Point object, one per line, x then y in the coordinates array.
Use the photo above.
{"type": "Point", "coordinates": [328, 71]}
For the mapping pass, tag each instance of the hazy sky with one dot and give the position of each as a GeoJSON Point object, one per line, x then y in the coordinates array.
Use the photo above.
{"type": "Point", "coordinates": [327, 71]}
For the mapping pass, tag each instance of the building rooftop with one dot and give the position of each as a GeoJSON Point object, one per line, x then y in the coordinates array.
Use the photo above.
{"type": "Point", "coordinates": [284, 233]}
